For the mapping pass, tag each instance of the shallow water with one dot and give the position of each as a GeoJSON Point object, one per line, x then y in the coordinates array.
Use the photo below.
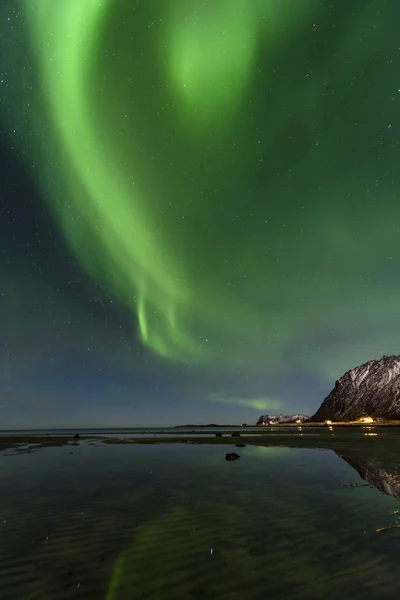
{"type": "Point", "coordinates": [180, 522]}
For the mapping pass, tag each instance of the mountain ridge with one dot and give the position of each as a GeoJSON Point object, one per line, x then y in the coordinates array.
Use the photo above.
{"type": "Point", "coordinates": [267, 419]}
{"type": "Point", "coordinates": [368, 390]}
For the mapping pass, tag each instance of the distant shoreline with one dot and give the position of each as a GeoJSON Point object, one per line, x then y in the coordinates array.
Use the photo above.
{"type": "Point", "coordinates": [173, 429]}
{"type": "Point", "coordinates": [263, 436]}
{"type": "Point", "coordinates": [307, 424]}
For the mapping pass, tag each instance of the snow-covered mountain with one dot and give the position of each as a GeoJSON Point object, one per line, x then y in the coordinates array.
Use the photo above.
{"type": "Point", "coordinates": [370, 390]}
{"type": "Point", "coordinates": [280, 419]}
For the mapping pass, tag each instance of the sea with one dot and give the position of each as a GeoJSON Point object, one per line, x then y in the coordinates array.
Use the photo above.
{"type": "Point", "coordinates": [316, 515]}
{"type": "Point", "coordinates": [132, 431]}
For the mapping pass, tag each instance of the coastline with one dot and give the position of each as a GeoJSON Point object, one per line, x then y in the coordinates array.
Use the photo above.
{"type": "Point", "coordinates": [334, 437]}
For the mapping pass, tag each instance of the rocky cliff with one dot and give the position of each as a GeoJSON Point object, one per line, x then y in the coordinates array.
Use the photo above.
{"type": "Point", "coordinates": [281, 418]}
{"type": "Point", "coordinates": [370, 390]}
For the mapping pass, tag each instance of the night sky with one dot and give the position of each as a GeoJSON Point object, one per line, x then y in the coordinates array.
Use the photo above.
{"type": "Point", "coordinates": [200, 216]}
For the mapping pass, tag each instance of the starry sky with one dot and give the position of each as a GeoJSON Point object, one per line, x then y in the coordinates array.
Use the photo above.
{"type": "Point", "coordinates": [200, 215]}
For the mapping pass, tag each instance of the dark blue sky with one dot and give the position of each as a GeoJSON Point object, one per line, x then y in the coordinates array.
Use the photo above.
{"type": "Point", "coordinates": [280, 213]}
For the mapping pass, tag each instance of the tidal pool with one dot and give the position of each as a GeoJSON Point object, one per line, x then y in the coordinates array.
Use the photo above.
{"type": "Point", "coordinates": [179, 522]}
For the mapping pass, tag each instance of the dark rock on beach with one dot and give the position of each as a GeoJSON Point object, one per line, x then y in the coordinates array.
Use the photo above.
{"type": "Point", "coordinates": [232, 456]}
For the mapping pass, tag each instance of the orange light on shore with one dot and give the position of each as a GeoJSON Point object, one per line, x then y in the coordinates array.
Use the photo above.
{"type": "Point", "coordinates": [366, 420]}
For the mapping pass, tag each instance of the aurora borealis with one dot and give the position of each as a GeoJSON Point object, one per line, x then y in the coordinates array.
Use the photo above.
{"type": "Point", "coordinates": [220, 182]}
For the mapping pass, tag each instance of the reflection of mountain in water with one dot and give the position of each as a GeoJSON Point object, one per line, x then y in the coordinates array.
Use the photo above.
{"type": "Point", "coordinates": [386, 481]}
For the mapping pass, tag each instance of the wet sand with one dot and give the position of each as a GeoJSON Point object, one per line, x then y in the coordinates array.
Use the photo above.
{"type": "Point", "coordinates": [338, 438]}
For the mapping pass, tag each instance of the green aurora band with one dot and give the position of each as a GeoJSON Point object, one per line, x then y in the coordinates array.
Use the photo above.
{"type": "Point", "coordinates": [148, 144]}
{"type": "Point", "coordinates": [211, 51]}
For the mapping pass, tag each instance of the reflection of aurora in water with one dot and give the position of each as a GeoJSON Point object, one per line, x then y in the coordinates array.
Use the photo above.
{"type": "Point", "coordinates": [166, 541]}
{"type": "Point", "coordinates": [177, 521]}
{"type": "Point", "coordinates": [295, 513]}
